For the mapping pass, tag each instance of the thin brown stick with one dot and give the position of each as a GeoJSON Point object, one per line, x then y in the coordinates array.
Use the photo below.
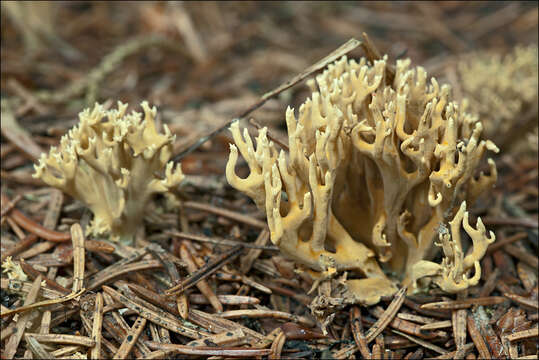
{"type": "Point", "coordinates": [201, 284]}
{"type": "Point", "coordinates": [202, 273]}
{"type": "Point", "coordinates": [342, 50]}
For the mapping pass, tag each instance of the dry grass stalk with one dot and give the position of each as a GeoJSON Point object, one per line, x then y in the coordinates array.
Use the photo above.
{"type": "Point", "coordinates": [339, 52]}
{"type": "Point", "coordinates": [226, 299]}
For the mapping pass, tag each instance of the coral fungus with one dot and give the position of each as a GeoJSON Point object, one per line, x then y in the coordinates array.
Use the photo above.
{"type": "Point", "coordinates": [109, 162]}
{"type": "Point", "coordinates": [375, 170]}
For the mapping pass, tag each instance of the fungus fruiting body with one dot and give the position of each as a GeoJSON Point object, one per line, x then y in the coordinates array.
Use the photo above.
{"type": "Point", "coordinates": [503, 91]}
{"type": "Point", "coordinates": [375, 171]}
{"type": "Point", "coordinates": [111, 162]}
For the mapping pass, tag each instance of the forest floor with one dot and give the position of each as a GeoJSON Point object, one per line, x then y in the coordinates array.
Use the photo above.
{"type": "Point", "coordinates": [203, 65]}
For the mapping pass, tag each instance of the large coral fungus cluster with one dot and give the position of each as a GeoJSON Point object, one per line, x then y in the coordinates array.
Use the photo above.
{"type": "Point", "coordinates": [503, 91]}
{"type": "Point", "coordinates": [111, 161]}
{"type": "Point", "coordinates": [375, 169]}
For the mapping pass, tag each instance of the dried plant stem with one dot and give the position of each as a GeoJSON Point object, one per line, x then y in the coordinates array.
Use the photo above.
{"type": "Point", "coordinates": [342, 50]}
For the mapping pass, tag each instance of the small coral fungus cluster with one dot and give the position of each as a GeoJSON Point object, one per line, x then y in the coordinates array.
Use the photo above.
{"type": "Point", "coordinates": [375, 170]}
{"type": "Point", "coordinates": [109, 162]}
{"type": "Point", "coordinates": [503, 91]}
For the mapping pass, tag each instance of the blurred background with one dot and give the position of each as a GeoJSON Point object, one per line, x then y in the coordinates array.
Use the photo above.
{"type": "Point", "coordinates": [202, 63]}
